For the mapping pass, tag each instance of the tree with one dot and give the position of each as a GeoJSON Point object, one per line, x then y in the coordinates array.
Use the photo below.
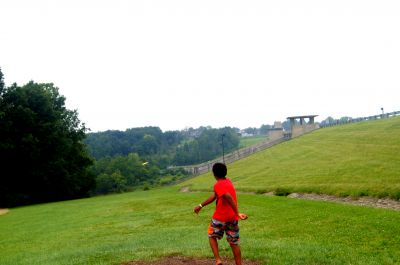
{"type": "Point", "coordinates": [110, 183]}
{"type": "Point", "coordinates": [146, 141]}
{"type": "Point", "coordinates": [345, 119]}
{"type": "Point", "coordinates": [207, 146]}
{"type": "Point", "coordinates": [130, 168]}
{"type": "Point", "coordinates": [2, 86]}
{"type": "Point", "coordinates": [148, 145]}
{"type": "Point", "coordinates": [251, 130]}
{"type": "Point", "coordinates": [328, 121]}
{"type": "Point", "coordinates": [264, 129]}
{"type": "Point", "coordinates": [42, 157]}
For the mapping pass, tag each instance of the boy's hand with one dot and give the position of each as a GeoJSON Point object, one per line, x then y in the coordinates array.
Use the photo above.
{"type": "Point", "coordinates": [197, 209]}
{"type": "Point", "coordinates": [242, 216]}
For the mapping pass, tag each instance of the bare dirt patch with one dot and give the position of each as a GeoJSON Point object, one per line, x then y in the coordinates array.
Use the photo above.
{"type": "Point", "coordinates": [185, 189]}
{"type": "Point", "coordinates": [361, 201]}
{"type": "Point", "coordinates": [189, 261]}
{"type": "Point", "coordinates": [3, 211]}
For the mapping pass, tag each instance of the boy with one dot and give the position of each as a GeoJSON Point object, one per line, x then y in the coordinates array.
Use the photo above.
{"type": "Point", "coordinates": [226, 215]}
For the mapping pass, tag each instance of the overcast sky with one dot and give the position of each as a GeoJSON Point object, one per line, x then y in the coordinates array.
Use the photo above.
{"type": "Point", "coordinates": [177, 64]}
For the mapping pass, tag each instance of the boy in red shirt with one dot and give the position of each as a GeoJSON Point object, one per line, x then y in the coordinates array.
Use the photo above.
{"type": "Point", "coordinates": [226, 215]}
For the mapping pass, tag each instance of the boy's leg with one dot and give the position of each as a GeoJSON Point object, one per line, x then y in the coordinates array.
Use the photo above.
{"type": "Point", "coordinates": [232, 235]}
{"type": "Point", "coordinates": [214, 247]}
{"type": "Point", "coordinates": [215, 232]}
{"type": "Point", "coordinates": [237, 254]}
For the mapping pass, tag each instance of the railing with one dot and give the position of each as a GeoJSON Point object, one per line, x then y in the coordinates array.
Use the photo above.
{"type": "Point", "coordinates": [233, 156]}
{"type": "Point", "coordinates": [369, 118]}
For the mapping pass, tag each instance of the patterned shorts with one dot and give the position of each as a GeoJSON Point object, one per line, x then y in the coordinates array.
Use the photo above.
{"type": "Point", "coordinates": [216, 229]}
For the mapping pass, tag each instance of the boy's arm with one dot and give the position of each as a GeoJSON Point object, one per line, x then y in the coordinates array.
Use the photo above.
{"type": "Point", "coordinates": [228, 197]}
{"type": "Point", "coordinates": [206, 202]}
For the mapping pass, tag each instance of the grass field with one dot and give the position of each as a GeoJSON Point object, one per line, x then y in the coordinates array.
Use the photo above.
{"type": "Point", "coordinates": [360, 159]}
{"type": "Point", "coordinates": [251, 140]}
{"type": "Point", "coordinates": [150, 224]}
{"type": "Point", "coordinates": [357, 159]}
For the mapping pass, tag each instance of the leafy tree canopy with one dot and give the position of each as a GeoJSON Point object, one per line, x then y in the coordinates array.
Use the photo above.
{"type": "Point", "coordinates": [207, 146]}
{"type": "Point", "coordinates": [42, 157]}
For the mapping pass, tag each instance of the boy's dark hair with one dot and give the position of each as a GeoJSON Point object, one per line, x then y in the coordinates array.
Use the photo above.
{"type": "Point", "coordinates": [219, 170]}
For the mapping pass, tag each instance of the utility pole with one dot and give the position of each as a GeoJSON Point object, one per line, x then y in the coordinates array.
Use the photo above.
{"type": "Point", "coordinates": [223, 148]}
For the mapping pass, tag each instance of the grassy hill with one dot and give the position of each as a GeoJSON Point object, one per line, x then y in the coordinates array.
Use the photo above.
{"type": "Point", "coordinates": [360, 159]}
{"type": "Point", "coordinates": [146, 225]}
{"type": "Point", "coordinates": [357, 159]}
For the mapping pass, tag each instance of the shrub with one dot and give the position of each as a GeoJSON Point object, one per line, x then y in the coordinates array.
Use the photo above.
{"type": "Point", "coordinates": [110, 183]}
{"type": "Point", "coordinates": [281, 192]}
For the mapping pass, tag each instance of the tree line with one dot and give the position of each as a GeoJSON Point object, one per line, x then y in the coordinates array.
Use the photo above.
{"type": "Point", "coordinates": [47, 153]}
{"type": "Point", "coordinates": [164, 149]}
{"type": "Point", "coordinates": [144, 157]}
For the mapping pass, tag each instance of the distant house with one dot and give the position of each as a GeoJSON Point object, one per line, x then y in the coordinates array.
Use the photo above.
{"type": "Point", "coordinates": [245, 134]}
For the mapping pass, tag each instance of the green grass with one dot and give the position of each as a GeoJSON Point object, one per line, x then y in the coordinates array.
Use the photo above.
{"type": "Point", "coordinates": [359, 159]}
{"type": "Point", "coordinates": [251, 140]}
{"type": "Point", "coordinates": [146, 225]}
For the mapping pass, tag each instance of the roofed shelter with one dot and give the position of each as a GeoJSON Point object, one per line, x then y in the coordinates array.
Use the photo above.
{"type": "Point", "coordinates": [302, 124]}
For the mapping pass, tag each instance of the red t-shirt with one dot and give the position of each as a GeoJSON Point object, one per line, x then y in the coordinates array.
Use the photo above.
{"type": "Point", "coordinates": [223, 211]}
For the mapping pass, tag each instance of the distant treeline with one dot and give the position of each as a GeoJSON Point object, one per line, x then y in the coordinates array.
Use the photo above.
{"type": "Point", "coordinates": [142, 157]}
{"type": "Point", "coordinates": [164, 149]}
{"type": "Point", "coordinates": [185, 147]}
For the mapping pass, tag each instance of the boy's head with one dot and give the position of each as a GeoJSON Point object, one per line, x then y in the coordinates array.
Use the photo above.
{"type": "Point", "coordinates": [219, 170]}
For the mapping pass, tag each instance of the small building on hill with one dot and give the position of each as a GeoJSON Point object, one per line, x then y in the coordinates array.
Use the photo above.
{"type": "Point", "coordinates": [276, 132]}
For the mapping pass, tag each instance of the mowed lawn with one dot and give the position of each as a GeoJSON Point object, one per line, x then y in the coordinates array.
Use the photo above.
{"type": "Point", "coordinates": [361, 159]}
{"type": "Point", "coordinates": [149, 224]}
{"type": "Point", "coordinates": [252, 140]}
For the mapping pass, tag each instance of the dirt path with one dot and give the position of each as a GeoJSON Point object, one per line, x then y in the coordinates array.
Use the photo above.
{"type": "Point", "coordinates": [385, 203]}
{"type": "Point", "coordinates": [185, 189]}
{"type": "Point", "coordinates": [188, 261]}
{"type": "Point", "coordinates": [3, 211]}
{"type": "Point", "coordinates": [361, 201]}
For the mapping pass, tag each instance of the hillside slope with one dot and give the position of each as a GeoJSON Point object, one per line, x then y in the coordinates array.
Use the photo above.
{"type": "Point", "coordinates": [360, 159]}
{"type": "Point", "coordinates": [145, 225]}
